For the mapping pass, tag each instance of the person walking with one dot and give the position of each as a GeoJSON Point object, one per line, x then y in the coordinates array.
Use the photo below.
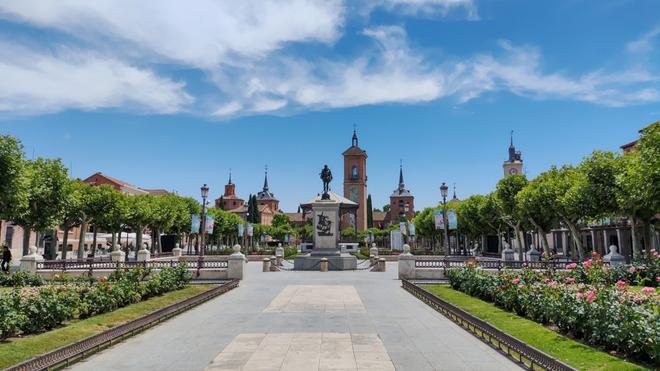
{"type": "Point", "coordinates": [6, 258]}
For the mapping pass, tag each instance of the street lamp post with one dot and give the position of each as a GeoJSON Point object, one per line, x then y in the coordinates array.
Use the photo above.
{"type": "Point", "coordinates": [202, 227]}
{"type": "Point", "coordinates": [443, 192]}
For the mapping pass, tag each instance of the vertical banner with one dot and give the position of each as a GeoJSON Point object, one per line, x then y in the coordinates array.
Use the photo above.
{"type": "Point", "coordinates": [240, 230]}
{"type": "Point", "coordinates": [411, 229]}
{"type": "Point", "coordinates": [453, 220]}
{"type": "Point", "coordinates": [438, 218]}
{"type": "Point", "coordinates": [250, 230]}
{"type": "Point", "coordinates": [402, 227]}
{"type": "Point", "coordinates": [195, 224]}
{"type": "Point", "coordinates": [209, 224]}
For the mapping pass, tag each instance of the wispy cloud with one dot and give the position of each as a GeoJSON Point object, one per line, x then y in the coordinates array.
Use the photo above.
{"type": "Point", "coordinates": [43, 81]}
{"type": "Point", "coordinates": [429, 7]}
{"type": "Point", "coordinates": [646, 42]}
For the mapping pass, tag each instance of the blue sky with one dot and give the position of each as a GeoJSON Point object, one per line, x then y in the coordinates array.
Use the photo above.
{"type": "Point", "coordinates": [164, 94]}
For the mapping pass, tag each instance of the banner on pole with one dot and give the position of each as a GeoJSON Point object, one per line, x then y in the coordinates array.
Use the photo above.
{"type": "Point", "coordinates": [438, 218]}
{"type": "Point", "coordinates": [453, 219]}
{"type": "Point", "coordinates": [240, 230]}
{"type": "Point", "coordinates": [411, 229]}
{"type": "Point", "coordinates": [402, 227]}
{"type": "Point", "coordinates": [209, 224]}
{"type": "Point", "coordinates": [250, 229]}
{"type": "Point", "coordinates": [195, 224]}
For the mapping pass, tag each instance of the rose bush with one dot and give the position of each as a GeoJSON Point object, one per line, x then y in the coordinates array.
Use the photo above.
{"type": "Point", "coordinates": [35, 309]}
{"type": "Point", "coordinates": [609, 316]}
{"type": "Point", "coordinates": [19, 279]}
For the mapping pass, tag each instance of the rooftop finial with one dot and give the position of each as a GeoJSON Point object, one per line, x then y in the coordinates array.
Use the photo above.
{"type": "Point", "coordinates": [266, 179]}
{"type": "Point", "coordinates": [355, 138]}
{"type": "Point", "coordinates": [511, 138]}
{"type": "Point", "coordinates": [229, 176]}
{"type": "Point", "coordinates": [401, 184]}
{"type": "Point", "coordinates": [455, 198]}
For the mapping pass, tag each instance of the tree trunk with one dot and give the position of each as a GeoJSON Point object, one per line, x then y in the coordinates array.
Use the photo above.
{"type": "Point", "coordinates": [94, 241]}
{"type": "Point", "coordinates": [648, 238]}
{"type": "Point", "coordinates": [113, 241]}
{"type": "Point", "coordinates": [576, 238]}
{"type": "Point", "coordinates": [542, 237]}
{"type": "Point", "coordinates": [26, 241]}
{"type": "Point", "coordinates": [633, 235]}
{"type": "Point", "coordinates": [65, 243]}
{"type": "Point", "coordinates": [81, 240]}
{"type": "Point", "coordinates": [138, 239]}
{"type": "Point", "coordinates": [519, 242]}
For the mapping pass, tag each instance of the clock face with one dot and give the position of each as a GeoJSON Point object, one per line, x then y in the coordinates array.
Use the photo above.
{"type": "Point", "coordinates": [513, 171]}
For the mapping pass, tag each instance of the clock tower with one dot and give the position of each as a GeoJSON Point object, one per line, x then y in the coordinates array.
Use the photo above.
{"type": "Point", "coordinates": [514, 164]}
{"type": "Point", "coordinates": [355, 184]}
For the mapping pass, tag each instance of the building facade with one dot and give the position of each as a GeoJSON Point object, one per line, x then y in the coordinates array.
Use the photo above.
{"type": "Point", "coordinates": [402, 202]}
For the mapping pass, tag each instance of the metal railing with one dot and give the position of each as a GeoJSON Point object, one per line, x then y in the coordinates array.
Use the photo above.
{"type": "Point", "coordinates": [489, 264]}
{"type": "Point", "coordinates": [514, 348]}
{"type": "Point", "coordinates": [80, 349]}
{"type": "Point", "coordinates": [68, 265]}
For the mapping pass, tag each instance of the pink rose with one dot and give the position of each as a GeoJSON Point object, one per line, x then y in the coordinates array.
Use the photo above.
{"type": "Point", "coordinates": [520, 286]}
{"type": "Point", "coordinates": [553, 283]}
{"type": "Point", "coordinates": [571, 266]}
{"type": "Point", "coordinates": [586, 263]}
{"type": "Point", "coordinates": [591, 296]}
{"type": "Point", "coordinates": [546, 280]}
{"type": "Point", "coordinates": [657, 279]}
{"type": "Point", "coordinates": [632, 270]}
{"type": "Point", "coordinates": [569, 280]}
{"type": "Point", "coordinates": [516, 280]}
{"type": "Point", "coordinates": [648, 289]}
{"type": "Point", "coordinates": [620, 283]}
{"type": "Point", "coordinates": [579, 295]}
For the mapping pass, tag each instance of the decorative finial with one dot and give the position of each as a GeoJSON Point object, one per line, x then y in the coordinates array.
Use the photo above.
{"type": "Point", "coordinates": [511, 138]}
{"type": "Point", "coordinates": [229, 176]}
{"type": "Point", "coordinates": [355, 138]}
{"type": "Point", "coordinates": [266, 178]}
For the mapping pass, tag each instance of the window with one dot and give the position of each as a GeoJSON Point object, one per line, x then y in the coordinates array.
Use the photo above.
{"type": "Point", "coordinates": [354, 172]}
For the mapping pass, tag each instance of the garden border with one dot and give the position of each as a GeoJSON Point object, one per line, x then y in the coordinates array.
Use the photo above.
{"type": "Point", "coordinates": [489, 334]}
{"type": "Point", "coordinates": [80, 349]}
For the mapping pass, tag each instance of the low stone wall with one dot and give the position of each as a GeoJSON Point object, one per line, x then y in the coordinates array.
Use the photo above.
{"type": "Point", "coordinates": [205, 274]}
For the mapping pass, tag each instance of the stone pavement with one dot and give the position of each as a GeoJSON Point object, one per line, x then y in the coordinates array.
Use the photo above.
{"type": "Point", "coordinates": [305, 321]}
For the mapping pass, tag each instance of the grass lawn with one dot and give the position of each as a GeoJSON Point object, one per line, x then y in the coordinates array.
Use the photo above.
{"type": "Point", "coordinates": [16, 350]}
{"type": "Point", "coordinates": [569, 351]}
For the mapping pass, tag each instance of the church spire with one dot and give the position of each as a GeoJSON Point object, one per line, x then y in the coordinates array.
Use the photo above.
{"type": "Point", "coordinates": [229, 176]}
{"type": "Point", "coordinates": [401, 184]}
{"type": "Point", "coordinates": [266, 179]}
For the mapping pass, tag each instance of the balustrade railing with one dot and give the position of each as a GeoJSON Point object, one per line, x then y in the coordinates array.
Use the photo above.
{"type": "Point", "coordinates": [441, 263]}
{"type": "Point", "coordinates": [73, 265]}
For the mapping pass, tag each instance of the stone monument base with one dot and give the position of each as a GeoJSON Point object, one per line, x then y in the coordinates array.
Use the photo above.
{"type": "Point", "coordinates": [336, 262]}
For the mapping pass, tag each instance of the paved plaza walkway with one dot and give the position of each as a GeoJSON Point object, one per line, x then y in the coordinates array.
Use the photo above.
{"type": "Point", "coordinates": [305, 321]}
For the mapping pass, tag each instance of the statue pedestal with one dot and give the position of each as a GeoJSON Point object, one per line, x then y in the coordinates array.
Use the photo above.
{"type": "Point", "coordinates": [326, 222]}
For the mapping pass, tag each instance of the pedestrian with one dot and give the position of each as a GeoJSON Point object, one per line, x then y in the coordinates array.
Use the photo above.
{"type": "Point", "coordinates": [6, 258]}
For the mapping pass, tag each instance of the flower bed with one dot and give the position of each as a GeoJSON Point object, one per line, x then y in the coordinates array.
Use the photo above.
{"type": "Point", "coordinates": [34, 309]}
{"type": "Point", "coordinates": [578, 302]}
{"type": "Point", "coordinates": [19, 279]}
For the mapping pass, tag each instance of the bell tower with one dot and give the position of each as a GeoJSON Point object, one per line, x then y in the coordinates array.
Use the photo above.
{"type": "Point", "coordinates": [355, 183]}
{"type": "Point", "coordinates": [514, 164]}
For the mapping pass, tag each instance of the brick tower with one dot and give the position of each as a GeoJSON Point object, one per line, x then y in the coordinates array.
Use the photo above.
{"type": "Point", "coordinates": [355, 183]}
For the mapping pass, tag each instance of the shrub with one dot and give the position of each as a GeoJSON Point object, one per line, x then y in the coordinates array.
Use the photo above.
{"type": "Point", "coordinates": [35, 309]}
{"type": "Point", "coordinates": [601, 315]}
{"type": "Point", "coordinates": [20, 279]}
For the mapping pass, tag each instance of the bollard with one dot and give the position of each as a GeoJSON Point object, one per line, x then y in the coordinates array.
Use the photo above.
{"type": "Point", "coordinates": [381, 265]}
{"type": "Point", "coordinates": [266, 266]}
{"type": "Point", "coordinates": [373, 254]}
{"type": "Point", "coordinates": [273, 264]}
{"type": "Point", "coordinates": [324, 264]}
{"type": "Point", "coordinates": [279, 254]}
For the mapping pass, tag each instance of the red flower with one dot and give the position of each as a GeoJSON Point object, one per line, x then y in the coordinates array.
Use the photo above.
{"type": "Point", "coordinates": [516, 280]}
{"type": "Point", "coordinates": [102, 279]}
{"type": "Point", "coordinates": [125, 269]}
{"type": "Point", "coordinates": [503, 287]}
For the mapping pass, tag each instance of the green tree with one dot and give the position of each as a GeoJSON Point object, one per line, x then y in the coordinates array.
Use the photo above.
{"type": "Point", "coordinates": [13, 196]}
{"type": "Point", "coordinates": [74, 209]}
{"type": "Point", "coordinates": [535, 204]}
{"type": "Point", "coordinates": [370, 213]}
{"type": "Point", "coordinates": [139, 213]}
{"type": "Point", "coordinates": [506, 191]}
{"type": "Point", "coordinates": [100, 203]}
{"type": "Point", "coordinates": [386, 208]}
{"type": "Point", "coordinates": [47, 186]}
{"type": "Point", "coordinates": [221, 202]}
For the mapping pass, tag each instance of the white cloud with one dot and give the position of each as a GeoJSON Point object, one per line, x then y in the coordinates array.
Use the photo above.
{"type": "Point", "coordinates": [41, 82]}
{"type": "Point", "coordinates": [427, 7]}
{"type": "Point", "coordinates": [204, 33]}
{"type": "Point", "coordinates": [645, 43]}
